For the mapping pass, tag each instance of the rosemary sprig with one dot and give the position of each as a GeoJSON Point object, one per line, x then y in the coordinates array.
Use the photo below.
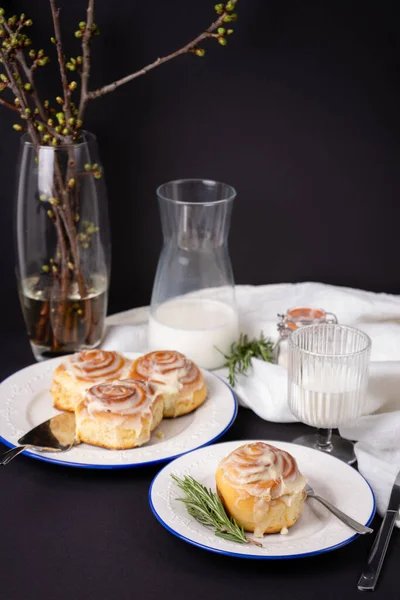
{"type": "Point", "coordinates": [206, 507]}
{"type": "Point", "coordinates": [243, 351]}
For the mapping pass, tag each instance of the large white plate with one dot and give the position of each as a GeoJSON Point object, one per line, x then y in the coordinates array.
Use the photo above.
{"type": "Point", "coordinates": [25, 402]}
{"type": "Point", "coordinates": [316, 531]}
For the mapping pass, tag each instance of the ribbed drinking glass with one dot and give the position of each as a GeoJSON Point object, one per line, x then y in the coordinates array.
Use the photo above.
{"type": "Point", "coordinates": [328, 376]}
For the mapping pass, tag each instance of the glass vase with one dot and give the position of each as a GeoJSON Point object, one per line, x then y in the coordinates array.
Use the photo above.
{"type": "Point", "coordinates": [193, 305]}
{"type": "Point", "coordinates": [62, 246]}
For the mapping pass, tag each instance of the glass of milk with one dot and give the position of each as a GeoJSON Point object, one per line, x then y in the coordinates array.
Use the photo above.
{"type": "Point", "coordinates": [328, 376]}
{"type": "Point", "coordinates": [193, 305]}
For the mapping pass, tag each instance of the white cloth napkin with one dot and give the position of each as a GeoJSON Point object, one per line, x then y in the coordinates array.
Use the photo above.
{"type": "Point", "coordinates": [264, 389]}
{"type": "Point", "coordinates": [378, 434]}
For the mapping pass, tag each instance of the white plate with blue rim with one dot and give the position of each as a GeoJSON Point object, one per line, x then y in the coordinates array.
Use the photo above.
{"type": "Point", "coordinates": [25, 402]}
{"type": "Point", "coordinates": [317, 530]}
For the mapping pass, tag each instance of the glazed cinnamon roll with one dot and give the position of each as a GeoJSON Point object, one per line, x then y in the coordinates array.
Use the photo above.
{"type": "Point", "coordinates": [119, 415]}
{"type": "Point", "coordinates": [261, 487]}
{"type": "Point", "coordinates": [83, 370]}
{"type": "Point", "coordinates": [178, 379]}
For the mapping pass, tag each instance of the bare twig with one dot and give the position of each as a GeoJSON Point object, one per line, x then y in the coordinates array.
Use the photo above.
{"type": "Point", "coordinates": [9, 105]}
{"type": "Point", "coordinates": [29, 75]}
{"type": "Point", "coordinates": [86, 59]}
{"type": "Point", "coordinates": [160, 61]}
{"type": "Point", "coordinates": [18, 93]}
{"type": "Point", "coordinates": [19, 55]}
{"type": "Point", "coordinates": [63, 252]}
{"type": "Point", "coordinates": [64, 80]}
{"type": "Point", "coordinates": [28, 72]}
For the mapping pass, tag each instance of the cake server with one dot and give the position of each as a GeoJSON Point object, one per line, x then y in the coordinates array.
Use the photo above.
{"type": "Point", "coordinates": [359, 527]}
{"type": "Point", "coordinates": [369, 577]}
{"type": "Point", "coordinates": [54, 435]}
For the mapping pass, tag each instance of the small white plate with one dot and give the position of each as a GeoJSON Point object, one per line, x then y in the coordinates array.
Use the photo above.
{"type": "Point", "coordinates": [25, 402]}
{"type": "Point", "coordinates": [316, 531]}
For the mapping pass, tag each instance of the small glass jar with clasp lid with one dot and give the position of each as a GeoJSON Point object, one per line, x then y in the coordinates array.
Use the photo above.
{"type": "Point", "coordinates": [294, 319]}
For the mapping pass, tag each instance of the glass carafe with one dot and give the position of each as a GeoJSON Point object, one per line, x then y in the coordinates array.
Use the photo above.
{"type": "Point", "coordinates": [193, 305]}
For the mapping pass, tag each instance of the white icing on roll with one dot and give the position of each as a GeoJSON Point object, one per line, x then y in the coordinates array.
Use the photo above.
{"type": "Point", "coordinates": [170, 370]}
{"type": "Point", "coordinates": [130, 400]}
{"type": "Point", "coordinates": [97, 365]}
{"type": "Point", "coordinates": [262, 471]}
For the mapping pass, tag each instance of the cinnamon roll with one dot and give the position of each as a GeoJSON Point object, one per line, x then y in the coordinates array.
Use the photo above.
{"type": "Point", "coordinates": [178, 379]}
{"type": "Point", "coordinates": [119, 415]}
{"type": "Point", "coordinates": [261, 487]}
{"type": "Point", "coordinates": [83, 370]}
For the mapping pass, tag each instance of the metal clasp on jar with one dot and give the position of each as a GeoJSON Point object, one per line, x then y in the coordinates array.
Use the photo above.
{"type": "Point", "coordinates": [299, 317]}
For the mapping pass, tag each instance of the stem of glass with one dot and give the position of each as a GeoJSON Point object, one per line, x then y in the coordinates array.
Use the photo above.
{"type": "Point", "coordinates": [324, 440]}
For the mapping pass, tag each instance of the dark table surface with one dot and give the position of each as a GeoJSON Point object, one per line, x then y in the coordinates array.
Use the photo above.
{"type": "Point", "coordinates": [77, 534]}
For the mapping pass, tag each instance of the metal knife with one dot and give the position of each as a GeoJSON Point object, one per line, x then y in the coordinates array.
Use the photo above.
{"type": "Point", "coordinates": [369, 578]}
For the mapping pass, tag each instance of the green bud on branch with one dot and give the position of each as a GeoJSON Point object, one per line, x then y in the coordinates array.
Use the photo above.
{"type": "Point", "coordinates": [230, 18]}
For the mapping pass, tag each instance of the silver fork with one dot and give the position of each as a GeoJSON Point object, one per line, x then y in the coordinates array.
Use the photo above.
{"type": "Point", "coordinates": [338, 513]}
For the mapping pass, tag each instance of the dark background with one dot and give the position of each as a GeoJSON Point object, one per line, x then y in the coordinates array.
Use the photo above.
{"type": "Point", "coordinates": [300, 112]}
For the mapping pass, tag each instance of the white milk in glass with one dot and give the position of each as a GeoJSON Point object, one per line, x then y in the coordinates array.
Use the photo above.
{"type": "Point", "coordinates": [195, 327]}
{"type": "Point", "coordinates": [328, 399]}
